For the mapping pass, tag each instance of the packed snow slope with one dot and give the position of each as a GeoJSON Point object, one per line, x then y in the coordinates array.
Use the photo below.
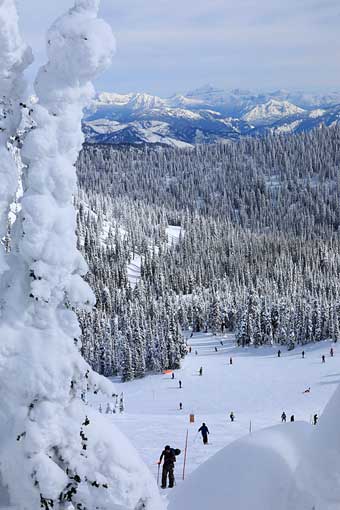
{"type": "Point", "coordinates": [257, 387]}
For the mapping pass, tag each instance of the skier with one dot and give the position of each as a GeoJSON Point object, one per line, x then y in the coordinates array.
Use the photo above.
{"type": "Point", "coordinates": [331, 352]}
{"type": "Point", "coordinates": [279, 353]}
{"type": "Point", "coordinates": [315, 419]}
{"type": "Point", "coordinates": [180, 384]}
{"type": "Point", "coordinates": [230, 361]}
{"type": "Point", "coordinates": [323, 358]}
{"type": "Point", "coordinates": [283, 417]}
{"type": "Point", "coordinates": [204, 431]}
{"type": "Point", "coordinates": [172, 376]}
{"type": "Point", "coordinates": [121, 403]}
{"type": "Point", "coordinates": [292, 418]}
{"type": "Point", "coordinates": [201, 371]}
{"type": "Point", "coordinates": [190, 349]}
{"type": "Point", "coordinates": [169, 455]}
{"type": "Point", "coordinates": [221, 342]}
{"type": "Point", "coordinates": [180, 406]}
{"type": "Point", "coordinates": [215, 349]}
{"type": "Point", "coordinates": [232, 417]}
{"type": "Point", "coordinates": [303, 354]}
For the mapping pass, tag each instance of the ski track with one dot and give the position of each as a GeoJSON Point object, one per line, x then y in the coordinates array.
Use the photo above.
{"type": "Point", "coordinates": [257, 388]}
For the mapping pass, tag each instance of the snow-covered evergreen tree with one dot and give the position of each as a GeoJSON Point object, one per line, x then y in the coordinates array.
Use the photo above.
{"type": "Point", "coordinates": [56, 452]}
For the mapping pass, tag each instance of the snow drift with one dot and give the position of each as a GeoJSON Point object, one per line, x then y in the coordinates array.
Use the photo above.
{"type": "Point", "coordinates": [255, 472]}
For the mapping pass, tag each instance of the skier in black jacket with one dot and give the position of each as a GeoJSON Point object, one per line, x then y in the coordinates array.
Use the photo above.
{"type": "Point", "coordinates": [169, 456]}
{"type": "Point", "coordinates": [204, 431]}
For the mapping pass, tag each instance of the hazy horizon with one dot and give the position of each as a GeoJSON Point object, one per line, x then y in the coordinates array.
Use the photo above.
{"type": "Point", "coordinates": [166, 47]}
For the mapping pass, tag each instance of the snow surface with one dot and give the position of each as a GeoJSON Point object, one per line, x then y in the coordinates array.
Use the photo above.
{"type": "Point", "coordinates": [173, 233]}
{"type": "Point", "coordinates": [257, 387]}
{"type": "Point", "coordinates": [134, 270]}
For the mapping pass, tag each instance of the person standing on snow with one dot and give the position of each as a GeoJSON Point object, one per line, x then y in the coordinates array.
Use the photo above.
{"type": "Point", "coordinates": [279, 353]}
{"type": "Point", "coordinates": [232, 416]}
{"type": "Point", "coordinates": [331, 352]}
{"type": "Point", "coordinates": [315, 419]}
{"type": "Point", "coordinates": [303, 354]}
{"type": "Point", "coordinates": [283, 417]}
{"type": "Point", "coordinates": [201, 371]}
{"type": "Point", "coordinates": [323, 358]}
{"type": "Point", "coordinates": [180, 384]}
{"type": "Point", "coordinates": [204, 431]}
{"type": "Point", "coordinates": [169, 456]}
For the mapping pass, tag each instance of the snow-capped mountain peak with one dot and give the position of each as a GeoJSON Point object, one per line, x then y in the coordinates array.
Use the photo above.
{"type": "Point", "coordinates": [142, 101]}
{"type": "Point", "coordinates": [271, 111]}
{"type": "Point", "coordinates": [205, 115]}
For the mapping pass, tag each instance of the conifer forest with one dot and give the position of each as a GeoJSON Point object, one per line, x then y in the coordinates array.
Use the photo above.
{"type": "Point", "coordinates": [257, 251]}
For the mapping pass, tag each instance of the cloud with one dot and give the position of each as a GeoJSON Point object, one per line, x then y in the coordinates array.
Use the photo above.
{"type": "Point", "coordinates": [167, 45]}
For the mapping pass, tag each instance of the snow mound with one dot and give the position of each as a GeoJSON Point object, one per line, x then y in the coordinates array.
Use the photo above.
{"type": "Point", "coordinates": [254, 472]}
{"type": "Point", "coordinates": [318, 473]}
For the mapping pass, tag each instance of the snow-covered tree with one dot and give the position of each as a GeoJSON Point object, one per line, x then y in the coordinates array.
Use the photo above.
{"type": "Point", "coordinates": [55, 452]}
{"type": "Point", "coordinates": [15, 56]}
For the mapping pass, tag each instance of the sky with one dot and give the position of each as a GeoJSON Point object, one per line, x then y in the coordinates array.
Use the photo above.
{"type": "Point", "coordinates": [172, 46]}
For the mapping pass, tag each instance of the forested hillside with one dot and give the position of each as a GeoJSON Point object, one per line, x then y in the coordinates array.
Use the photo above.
{"type": "Point", "coordinates": [258, 250]}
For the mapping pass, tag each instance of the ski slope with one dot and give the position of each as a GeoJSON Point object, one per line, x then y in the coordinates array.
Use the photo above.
{"type": "Point", "coordinates": [257, 387]}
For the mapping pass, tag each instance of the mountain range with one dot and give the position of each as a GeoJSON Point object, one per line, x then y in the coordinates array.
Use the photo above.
{"type": "Point", "coordinates": [205, 115]}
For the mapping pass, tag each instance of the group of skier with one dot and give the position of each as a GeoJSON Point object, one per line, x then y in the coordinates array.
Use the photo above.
{"type": "Point", "coordinates": [169, 454]}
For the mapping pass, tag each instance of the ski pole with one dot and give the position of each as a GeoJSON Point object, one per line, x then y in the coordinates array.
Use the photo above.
{"type": "Point", "coordinates": [158, 473]}
{"type": "Point", "coordinates": [185, 453]}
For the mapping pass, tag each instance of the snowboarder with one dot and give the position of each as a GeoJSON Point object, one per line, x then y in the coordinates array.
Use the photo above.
{"type": "Point", "coordinates": [303, 354]}
{"type": "Point", "coordinates": [204, 431]}
{"type": "Point", "coordinates": [292, 418]}
{"type": "Point", "coordinates": [331, 352]}
{"type": "Point", "coordinates": [232, 416]}
{"type": "Point", "coordinates": [230, 361]}
{"type": "Point", "coordinates": [201, 371]}
{"type": "Point", "coordinates": [180, 406]}
{"type": "Point", "coordinates": [315, 419]}
{"type": "Point", "coordinates": [172, 376]}
{"type": "Point", "coordinates": [169, 455]}
{"type": "Point", "coordinates": [279, 353]}
{"type": "Point", "coordinates": [180, 384]}
{"type": "Point", "coordinates": [283, 417]}
{"type": "Point", "coordinates": [323, 358]}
